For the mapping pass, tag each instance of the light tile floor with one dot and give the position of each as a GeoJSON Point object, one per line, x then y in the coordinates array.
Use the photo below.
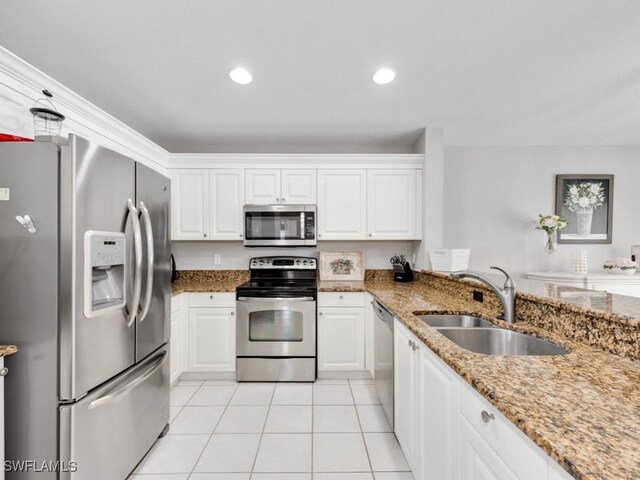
{"type": "Point", "coordinates": [330, 430]}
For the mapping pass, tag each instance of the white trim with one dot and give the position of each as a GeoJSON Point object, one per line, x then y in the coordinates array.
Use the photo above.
{"type": "Point", "coordinates": [303, 160]}
{"type": "Point", "coordinates": [21, 84]}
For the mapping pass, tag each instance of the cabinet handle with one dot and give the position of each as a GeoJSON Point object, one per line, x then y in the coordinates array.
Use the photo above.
{"type": "Point", "coordinates": [486, 416]}
{"type": "Point", "coordinates": [240, 235]}
{"type": "Point", "coordinates": [340, 297]}
{"type": "Point", "coordinates": [282, 200]}
{"type": "Point", "coordinates": [277, 200]}
{"type": "Point", "coordinates": [415, 347]}
{"type": "Point", "coordinates": [4, 371]}
{"type": "Point", "coordinates": [411, 343]}
{"type": "Point", "coordinates": [371, 235]}
{"type": "Point", "coordinates": [211, 297]}
{"type": "Point", "coordinates": [319, 235]}
{"type": "Point", "coordinates": [320, 313]}
{"type": "Point", "coordinates": [204, 235]}
{"type": "Point", "coordinates": [233, 313]}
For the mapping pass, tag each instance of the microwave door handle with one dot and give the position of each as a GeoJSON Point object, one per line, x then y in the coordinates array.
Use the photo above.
{"type": "Point", "coordinates": [301, 225]}
{"type": "Point", "coordinates": [150, 259]}
{"type": "Point", "coordinates": [137, 243]}
{"type": "Point", "coordinates": [271, 299]}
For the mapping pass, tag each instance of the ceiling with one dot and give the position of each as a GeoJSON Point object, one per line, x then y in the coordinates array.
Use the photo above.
{"type": "Point", "coordinates": [491, 72]}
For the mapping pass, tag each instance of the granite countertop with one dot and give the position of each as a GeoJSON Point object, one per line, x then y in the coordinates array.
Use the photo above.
{"type": "Point", "coordinates": [6, 350]}
{"type": "Point", "coordinates": [209, 281]}
{"type": "Point", "coordinates": [583, 408]}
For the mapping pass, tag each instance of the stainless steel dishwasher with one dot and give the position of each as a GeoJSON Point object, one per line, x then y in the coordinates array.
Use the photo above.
{"type": "Point", "coordinates": [383, 358]}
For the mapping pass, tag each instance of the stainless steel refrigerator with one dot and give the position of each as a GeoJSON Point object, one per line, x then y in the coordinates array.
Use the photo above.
{"type": "Point", "coordinates": [84, 294]}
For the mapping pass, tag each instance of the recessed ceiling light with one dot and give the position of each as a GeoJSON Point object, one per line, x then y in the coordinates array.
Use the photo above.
{"type": "Point", "coordinates": [241, 76]}
{"type": "Point", "coordinates": [384, 76]}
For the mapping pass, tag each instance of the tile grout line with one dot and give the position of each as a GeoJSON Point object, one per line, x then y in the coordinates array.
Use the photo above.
{"type": "Point", "coordinates": [366, 448]}
{"type": "Point", "coordinates": [212, 432]}
{"type": "Point", "coordinates": [264, 426]}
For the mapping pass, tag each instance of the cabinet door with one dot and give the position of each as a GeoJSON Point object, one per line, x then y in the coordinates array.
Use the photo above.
{"type": "Point", "coordinates": [299, 187]}
{"type": "Point", "coordinates": [478, 461]}
{"type": "Point", "coordinates": [262, 186]}
{"type": "Point", "coordinates": [189, 204]}
{"type": "Point", "coordinates": [212, 340]}
{"type": "Point", "coordinates": [439, 411]}
{"type": "Point", "coordinates": [176, 346]}
{"type": "Point", "coordinates": [225, 205]}
{"type": "Point", "coordinates": [342, 204]}
{"type": "Point", "coordinates": [405, 377]}
{"type": "Point", "coordinates": [392, 206]}
{"type": "Point", "coordinates": [341, 339]}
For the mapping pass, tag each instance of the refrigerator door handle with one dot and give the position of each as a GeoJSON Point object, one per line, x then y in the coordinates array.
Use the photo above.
{"type": "Point", "coordinates": [137, 243]}
{"type": "Point", "coordinates": [121, 390]}
{"type": "Point", "coordinates": [150, 259]}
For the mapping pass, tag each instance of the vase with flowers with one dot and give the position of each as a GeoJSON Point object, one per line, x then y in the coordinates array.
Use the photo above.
{"type": "Point", "coordinates": [551, 225]}
{"type": "Point", "coordinates": [582, 199]}
{"type": "Point", "coordinates": [620, 266]}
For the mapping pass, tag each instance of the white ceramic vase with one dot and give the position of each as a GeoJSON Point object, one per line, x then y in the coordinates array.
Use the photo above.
{"type": "Point", "coordinates": [584, 218]}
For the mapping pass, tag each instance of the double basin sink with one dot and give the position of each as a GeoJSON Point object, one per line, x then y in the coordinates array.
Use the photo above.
{"type": "Point", "coordinates": [480, 336]}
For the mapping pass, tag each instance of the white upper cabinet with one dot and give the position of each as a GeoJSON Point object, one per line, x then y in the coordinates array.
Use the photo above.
{"type": "Point", "coordinates": [393, 204]}
{"type": "Point", "coordinates": [225, 206]}
{"type": "Point", "coordinates": [271, 186]}
{"type": "Point", "coordinates": [262, 186]}
{"type": "Point", "coordinates": [190, 204]}
{"type": "Point", "coordinates": [342, 204]}
{"type": "Point", "coordinates": [299, 187]}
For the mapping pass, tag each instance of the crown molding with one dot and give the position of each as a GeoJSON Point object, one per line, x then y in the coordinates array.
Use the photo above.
{"type": "Point", "coordinates": [22, 84]}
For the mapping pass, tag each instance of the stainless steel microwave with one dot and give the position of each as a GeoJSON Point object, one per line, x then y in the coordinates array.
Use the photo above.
{"type": "Point", "coordinates": [280, 226]}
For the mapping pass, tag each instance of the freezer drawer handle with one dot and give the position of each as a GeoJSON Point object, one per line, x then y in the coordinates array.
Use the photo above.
{"type": "Point", "coordinates": [150, 259]}
{"type": "Point", "coordinates": [267, 299]}
{"type": "Point", "coordinates": [137, 242]}
{"type": "Point", "coordinates": [121, 391]}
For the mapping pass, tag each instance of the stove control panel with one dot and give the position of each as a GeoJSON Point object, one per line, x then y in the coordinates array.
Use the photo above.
{"type": "Point", "coordinates": [283, 263]}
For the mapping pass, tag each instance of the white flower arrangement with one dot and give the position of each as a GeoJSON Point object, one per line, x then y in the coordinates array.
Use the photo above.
{"type": "Point", "coordinates": [620, 263]}
{"type": "Point", "coordinates": [585, 195]}
{"type": "Point", "coordinates": [551, 223]}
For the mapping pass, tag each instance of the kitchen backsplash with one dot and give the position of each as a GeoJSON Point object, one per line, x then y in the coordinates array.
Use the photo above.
{"type": "Point", "coordinates": [235, 256]}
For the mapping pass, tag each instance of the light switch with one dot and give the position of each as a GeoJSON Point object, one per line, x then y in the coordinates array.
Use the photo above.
{"type": "Point", "coordinates": [4, 194]}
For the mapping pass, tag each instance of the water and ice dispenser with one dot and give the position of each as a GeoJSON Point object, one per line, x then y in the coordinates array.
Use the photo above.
{"type": "Point", "coordinates": [105, 265]}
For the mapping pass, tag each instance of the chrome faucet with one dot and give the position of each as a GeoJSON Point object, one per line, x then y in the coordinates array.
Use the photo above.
{"type": "Point", "coordinates": [506, 294]}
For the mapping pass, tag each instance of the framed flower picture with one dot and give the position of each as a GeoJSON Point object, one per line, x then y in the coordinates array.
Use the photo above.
{"type": "Point", "coordinates": [586, 201]}
{"type": "Point", "coordinates": [342, 266]}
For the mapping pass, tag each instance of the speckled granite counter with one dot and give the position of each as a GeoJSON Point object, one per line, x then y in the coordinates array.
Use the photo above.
{"type": "Point", "coordinates": [6, 350]}
{"type": "Point", "coordinates": [583, 408]}
{"type": "Point", "coordinates": [209, 281]}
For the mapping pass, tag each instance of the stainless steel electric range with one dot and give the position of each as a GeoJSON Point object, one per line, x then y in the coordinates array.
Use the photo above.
{"type": "Point", "coordinates": [276, 329]}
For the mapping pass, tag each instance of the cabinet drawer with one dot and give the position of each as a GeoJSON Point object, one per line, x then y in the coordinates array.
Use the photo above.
{"type": "Point", "coordinates": [337, 299]}
{"type": "Point", "coordinates": [212, 299]}
{"type": "Point", "coordinates": [522, 456]}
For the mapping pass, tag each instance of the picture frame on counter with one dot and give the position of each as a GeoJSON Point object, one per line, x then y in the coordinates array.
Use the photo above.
{"type": "Point", "coordinates": [342, 266]}
{"type": "Point", "coordinates": [586, 201]}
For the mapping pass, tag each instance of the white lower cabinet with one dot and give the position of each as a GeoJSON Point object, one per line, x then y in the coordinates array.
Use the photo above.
{"type": "Point", "coordinates": [448, 431]}
{"type": "Point", "coordinates": [212, 340]}
{"type": "Point", "coordinates": [405, 386]}
{"type": "Point", "coordinates": [178, 339]}
{"type": "Point", "coordinates": [341, 332]}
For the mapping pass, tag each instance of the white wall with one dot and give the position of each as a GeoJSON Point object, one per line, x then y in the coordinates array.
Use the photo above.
{"type": "Point", "coordinates": [493, 196]}
{"type": "Point", "coordinates": [234, 256]}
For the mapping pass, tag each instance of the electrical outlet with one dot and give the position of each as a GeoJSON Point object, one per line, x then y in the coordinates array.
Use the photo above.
{"type": "Point", "coordinates": [478, 296]}
{"type": "Point", "coordinates": [217, 259]}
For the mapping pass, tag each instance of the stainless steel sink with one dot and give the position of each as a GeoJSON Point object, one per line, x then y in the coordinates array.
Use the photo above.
{"type": "Point", "coordinates": [454, 321]}
{"type": "Point", "coordinates": [496, 341]}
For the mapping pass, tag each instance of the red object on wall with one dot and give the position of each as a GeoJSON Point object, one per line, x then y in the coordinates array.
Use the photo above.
{"type": "Point", "coordinates": [5, 137]}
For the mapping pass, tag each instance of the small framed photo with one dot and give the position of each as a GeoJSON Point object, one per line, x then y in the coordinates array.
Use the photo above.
{"type": "Point", "coordinates": [586, 201]}
{"type": "Point", "coordinates": [342, 266]}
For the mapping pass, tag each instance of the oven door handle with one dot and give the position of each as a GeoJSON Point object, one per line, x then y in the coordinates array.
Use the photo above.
{"type": "Point", "coordinates": [279, 299]}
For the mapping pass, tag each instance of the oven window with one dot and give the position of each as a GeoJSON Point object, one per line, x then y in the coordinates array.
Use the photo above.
{"type": "Point", "coordinates": [274, 225]}
{"type": "Point", "coordinates": [275, 326]}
